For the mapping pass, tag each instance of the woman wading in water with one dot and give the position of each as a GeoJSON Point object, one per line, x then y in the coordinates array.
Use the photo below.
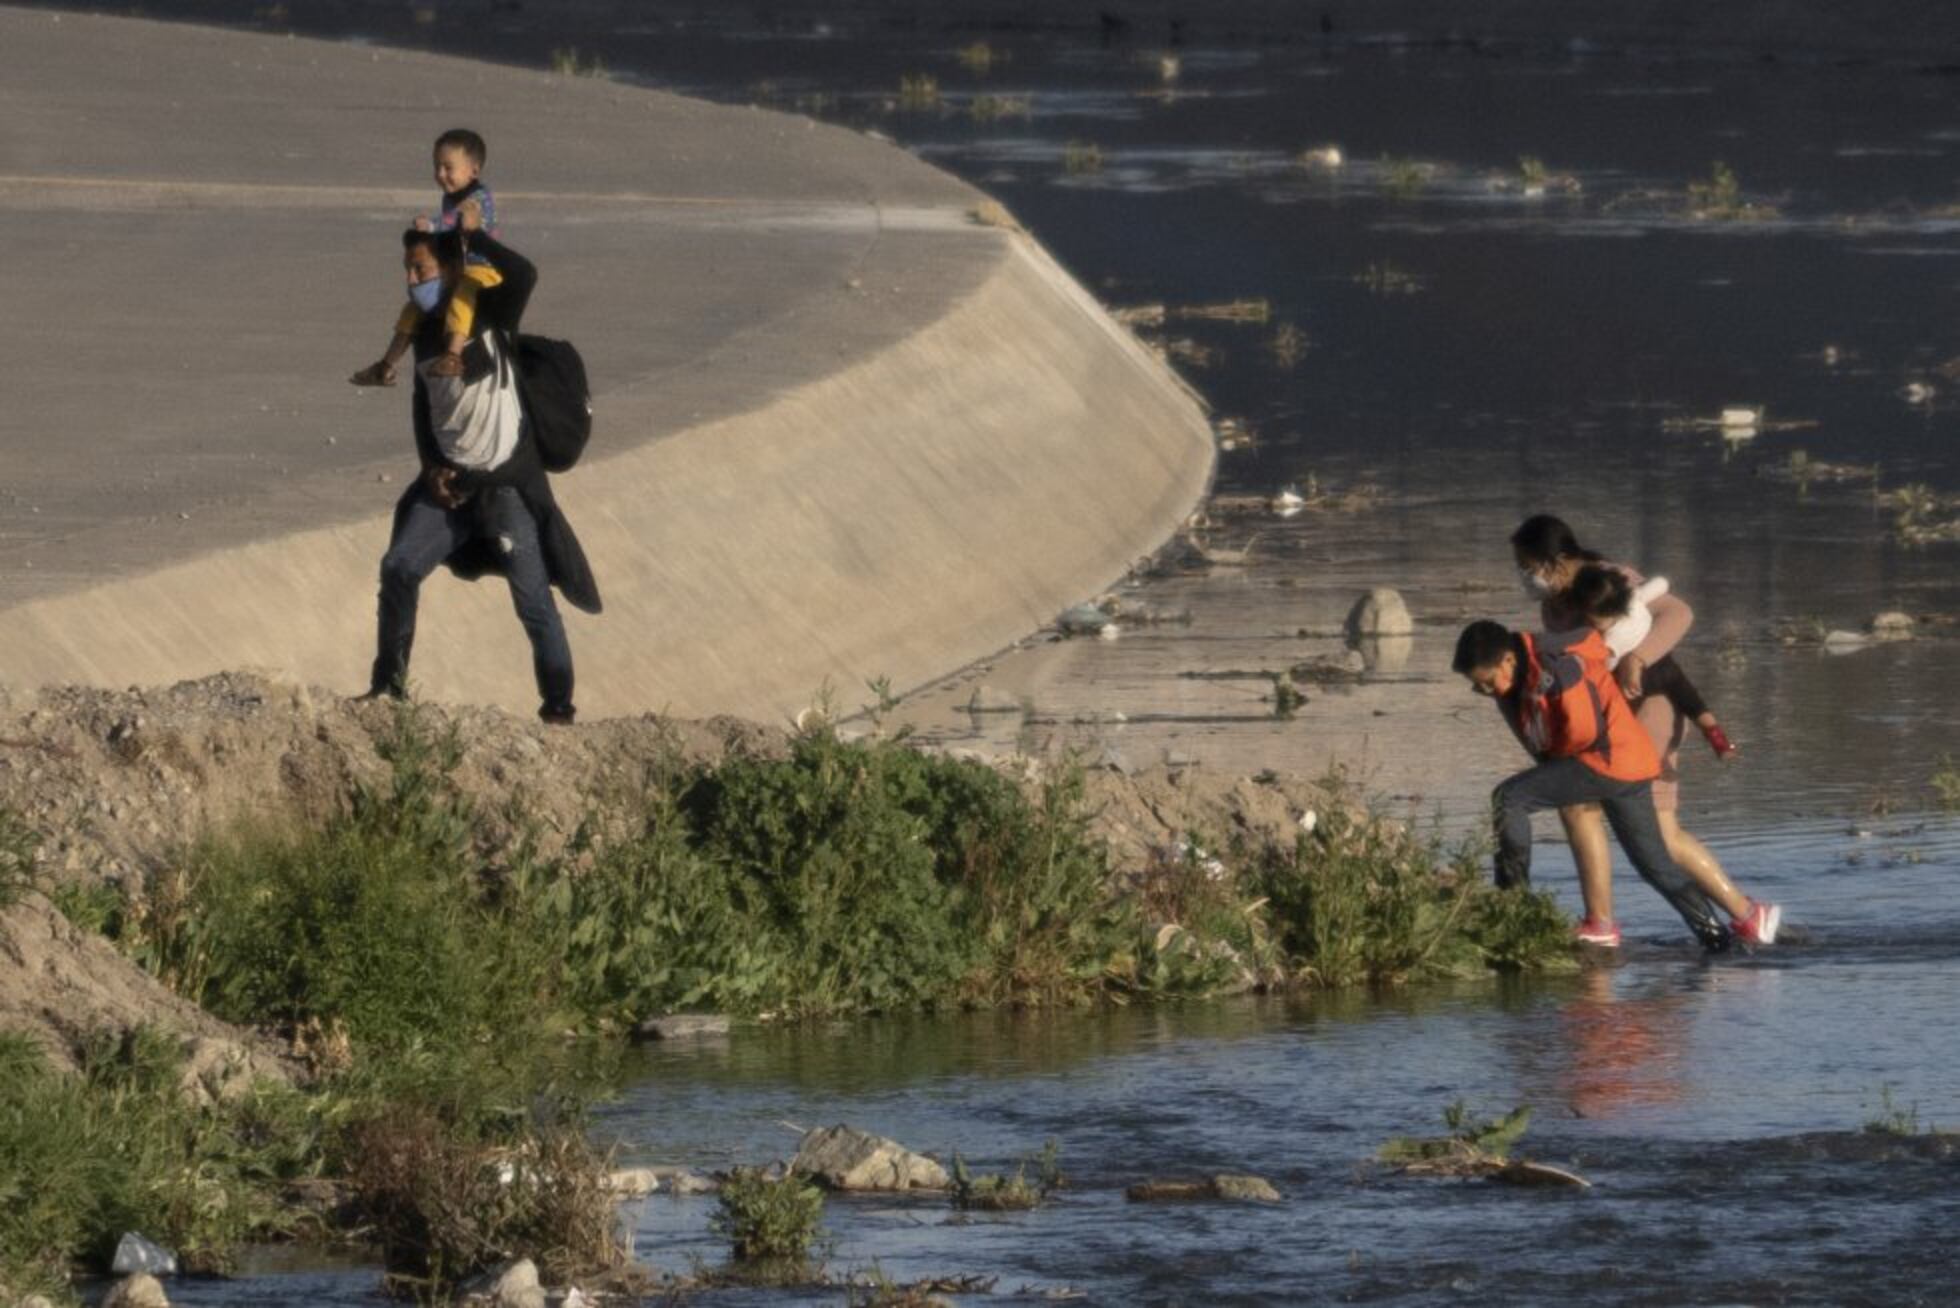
{"type": "Point", "coordinates": [1550, 560]}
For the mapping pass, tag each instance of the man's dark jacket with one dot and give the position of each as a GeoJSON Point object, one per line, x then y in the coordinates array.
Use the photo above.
{"type": "Point", "coordinates": [499, 308]}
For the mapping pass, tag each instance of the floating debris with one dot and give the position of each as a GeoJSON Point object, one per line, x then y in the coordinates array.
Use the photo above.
{"type": "Point", "coordinates": [1182, 349]}
{"type": "Point", "coordinates": [1918, 394]}
{"type": "Point", "coordinates": [1233, 435]}
{"type": "Point", "coordinates": [1088, 620]}
{"type": "Point", "coordinates": [1247, 310]}
{"type": "Point", "coordinates": [1386, 278]}
{"type": "Point", "coordinates": [1323, 158]}
{"type": "Point", "coordinates": [1739, 422]}
{"type": "Point", "coordinates": [1140, 315]}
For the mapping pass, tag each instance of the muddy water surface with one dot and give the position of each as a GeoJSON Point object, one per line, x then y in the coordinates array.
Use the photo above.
{"type": "Point", "coordinates": [1462, 354]}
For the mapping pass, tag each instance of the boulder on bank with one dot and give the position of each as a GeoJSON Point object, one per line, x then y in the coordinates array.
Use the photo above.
{"type": "Point", "coordinates": [845, 1158]}
{"type": "Point", "coordinates": [1381, 612]}
{"type": "Point", "coordinates": [139, 1291]}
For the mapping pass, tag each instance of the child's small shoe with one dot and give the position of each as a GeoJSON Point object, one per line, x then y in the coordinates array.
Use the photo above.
{"type": "Point", "coordinates": [1601, 935]}
{"type": "Point", "coordinates": [1718, 740]}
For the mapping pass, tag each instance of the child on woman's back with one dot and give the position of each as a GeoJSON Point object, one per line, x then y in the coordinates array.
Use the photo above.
{"type": "Point", "coordinates": [1617, 609]}
{"type": "Point", "coordinates": [466, 204]}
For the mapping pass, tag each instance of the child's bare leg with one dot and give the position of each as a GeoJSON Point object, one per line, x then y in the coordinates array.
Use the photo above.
{"type": "Point", "coordinates": [1585, 831]}
{"type": "Point", "coordinates": [1696, 860]}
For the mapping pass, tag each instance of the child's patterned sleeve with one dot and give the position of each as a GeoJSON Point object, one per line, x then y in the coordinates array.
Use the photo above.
{"type": "Point", "coordinates": [489, 205]}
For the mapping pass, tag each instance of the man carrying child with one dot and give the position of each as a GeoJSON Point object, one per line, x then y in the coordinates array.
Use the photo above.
{"type": "Point", "coordinates": [1567, 711]}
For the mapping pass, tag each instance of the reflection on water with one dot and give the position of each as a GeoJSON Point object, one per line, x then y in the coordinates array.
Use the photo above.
{"type": "Point", "coordinates": [1544, 361]}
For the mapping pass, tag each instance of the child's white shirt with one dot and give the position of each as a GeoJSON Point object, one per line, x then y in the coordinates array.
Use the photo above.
{"type": "Point", "coordinates": [1624, 636]}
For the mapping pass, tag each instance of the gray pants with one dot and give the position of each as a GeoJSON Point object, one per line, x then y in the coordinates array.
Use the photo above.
{"type": "Point", "coordinates": [429, 534]}
{"type": "Point", "coordinates": [1629, 807]}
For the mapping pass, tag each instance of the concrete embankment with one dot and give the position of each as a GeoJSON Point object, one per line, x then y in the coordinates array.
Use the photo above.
{"type": "Point", "coordinates": [844, 430]}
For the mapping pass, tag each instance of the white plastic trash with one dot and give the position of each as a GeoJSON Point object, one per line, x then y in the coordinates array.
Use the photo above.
{"type": "Point", "coordinates": [1739, 416]}
{"type": "Point", "coordinates": [134, 1254]}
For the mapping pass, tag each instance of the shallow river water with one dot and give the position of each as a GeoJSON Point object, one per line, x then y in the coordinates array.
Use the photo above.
{"type": "Point", "coordinates": [1466, 355]}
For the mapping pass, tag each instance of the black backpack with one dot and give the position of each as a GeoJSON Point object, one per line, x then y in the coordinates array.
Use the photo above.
{"type": "Point", "coordinates": [551, 384]}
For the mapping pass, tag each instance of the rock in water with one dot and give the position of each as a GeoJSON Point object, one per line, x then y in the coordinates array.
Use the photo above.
{"type": "Point", "coordinates": [139, 1291]}
{"type": "Point", "coordinates": [1224, 1186]}
{"type": "Point", "coordinates": [845, 1158]}
{"type": "Point", "coordinates": [1256, 1188]}
{"type": "Point", "coordinates": [1892, 625]}
{"type": "Point", "coordinates": [518, 1287]}
{"type": "Point", "coordinates": [1380, 612]}
{"type": "Point", "coordinates": [682, 1026]}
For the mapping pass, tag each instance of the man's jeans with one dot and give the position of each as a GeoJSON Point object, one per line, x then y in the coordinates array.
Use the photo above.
{"type": "Point", "coordinates": [429, 534]}
{"type": "Point", "coordinates": [1629, 809]}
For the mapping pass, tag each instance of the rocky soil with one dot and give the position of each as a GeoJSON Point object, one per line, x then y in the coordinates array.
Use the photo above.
{"type": "Point", "coordinates": [116, 783]}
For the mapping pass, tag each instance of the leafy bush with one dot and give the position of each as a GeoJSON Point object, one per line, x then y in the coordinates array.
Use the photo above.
{"type": "Point", "coordinates": [1008, 1193]}
{"type": "Point", "coordinates": [120, 1148]}
{"type": "Point", "coordinates": [769, 1220]}
{"type": "Point", "coordinates": [848, 877]}
{"type": "Point", "coordinates": [1363, 899]}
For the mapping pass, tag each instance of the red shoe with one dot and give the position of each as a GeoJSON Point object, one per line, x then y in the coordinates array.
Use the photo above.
{"type": "Point", "coordinates": [1761, 924]}
{"type": "Point", "coordinates": [1718, 740]}
{"type": "Point", "coordinates": [1600, 935]}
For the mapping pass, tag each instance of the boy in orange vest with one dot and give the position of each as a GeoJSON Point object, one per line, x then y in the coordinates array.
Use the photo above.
{"type": "Point", "coordinates": [1562, 703]}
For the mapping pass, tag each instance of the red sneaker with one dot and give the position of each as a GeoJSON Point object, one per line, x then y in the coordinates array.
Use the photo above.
{"type": "Point", "coordinates": [1761, 924]}
{"type": "Point", "coordinates": [1600, 935]}
{"type": "Point", "coordinates": [1718, 740]}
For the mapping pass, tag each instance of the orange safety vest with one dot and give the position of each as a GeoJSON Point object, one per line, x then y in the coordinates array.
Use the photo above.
{"type": "Point", "coordinates": [1565, 704]}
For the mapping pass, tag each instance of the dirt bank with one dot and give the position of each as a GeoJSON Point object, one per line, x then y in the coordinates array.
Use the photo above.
{"type": "Point", "coordinates": [113, 784]}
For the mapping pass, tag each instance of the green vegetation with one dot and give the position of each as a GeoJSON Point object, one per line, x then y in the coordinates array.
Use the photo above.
{"type": "Point", "coordinates": [1719, 198]}
{"type": "Point", "coordinates": [19, 847]}
{"type": "Point", "coordinates": [1288, 345]}
{"type": "Point", "coordinates": [1082, 157]}
{"type": "Point", "coordinates": [119, 1147]}
{"type": "Point", "coordinates": [1403, 179]}
{"type": "Point", "coordinates": [1946, 782]}
{"type": "Point", "coordinates": [1014, 1193]}
{"type": "Point", "coordinates": [567, 62]}
{"type": "Point", "coordinates": [428, 982]}
{"type": "Point", "coordinates": [992, 108]}
{"type": "Point", "coordinates": [1532, 173]}
{"type": "Point", "coordinates": [1892, 1118]}
{"type": "Point", "coordinates": [772, 1221]}
{"type": "Point", "coordinates": [918, 91]}
{"type": "Point", "coordinates": [979, 58]}
{"type": "Point", "coordinates": [1360, 899]}
{"type": "Point", "coordinates": [1470, 1148]}
{"type": "Point", "coordinates": [1385, 278]}
{"type": "Point", "coordinates": [1287, 698]}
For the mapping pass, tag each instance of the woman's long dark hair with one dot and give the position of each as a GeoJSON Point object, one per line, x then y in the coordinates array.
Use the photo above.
{"type": "Point", "coordinates": [1545, 539]}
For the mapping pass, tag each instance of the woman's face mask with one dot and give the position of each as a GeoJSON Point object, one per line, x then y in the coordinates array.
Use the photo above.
{"type": "Point", "coordinates": [1534, 585]}
{"type": "Point", "coordinates": [427, 295]}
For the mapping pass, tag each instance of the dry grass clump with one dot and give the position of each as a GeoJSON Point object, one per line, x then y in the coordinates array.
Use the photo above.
{"type": "Point", "coordinates": [442, 1207]}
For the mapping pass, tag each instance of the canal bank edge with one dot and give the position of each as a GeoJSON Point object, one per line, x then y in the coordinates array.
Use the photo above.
{"type": "Point", "coordinates": [926, 441]}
